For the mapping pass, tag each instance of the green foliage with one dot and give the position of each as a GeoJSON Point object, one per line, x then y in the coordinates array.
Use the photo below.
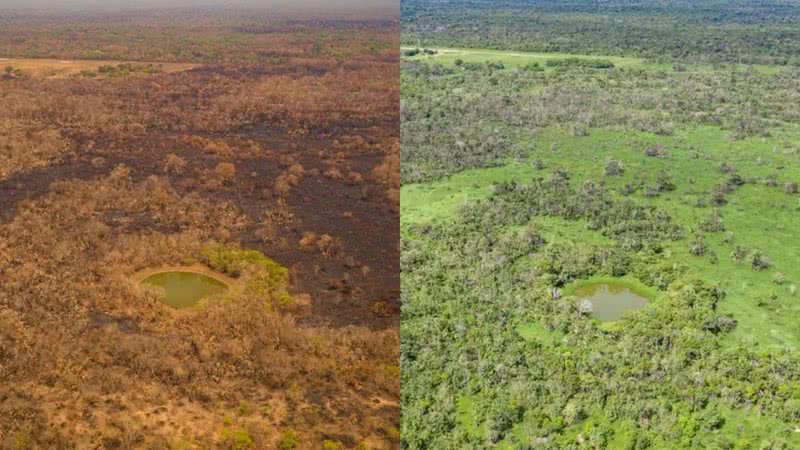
{"type": "Point", "coordinates": [124, 69]}
{"type": "Point", "coordinates": [495, 350]}
{"type": "Point", "coordinates": [236, 439]}
{"type": "Point", "coordinates": [288, 441]}
{"type": "Point", "coordinates": [242, 440]}
{"type": "Point", "coordinates": [473, 115]}
{"type": "Point", "coordinates": [11, 72]}
{"type": "Point", "coordinates": [729, 31]}
{"type": "Point", "coordinates": [234, 261]}
{"type": "Point", "coordinates": [327, 444]}
{"type": "Point", "coordinates": [581, 62]}
{"type": "Point", "coordinates": [262, 276]}
{"type": "Point", "coordinates": [758, 261]}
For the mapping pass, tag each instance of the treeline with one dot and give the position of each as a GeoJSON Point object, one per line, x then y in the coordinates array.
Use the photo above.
{"type": "Point", "coordinates": [173, 36]}
{"type": "Point", "coordinates": [731, 31]}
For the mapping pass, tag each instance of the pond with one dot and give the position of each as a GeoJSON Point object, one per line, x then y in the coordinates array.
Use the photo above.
{"type": "Point", "coordinates": [185, 289]}
{"type": "Point", "coordinates": [609, 301]}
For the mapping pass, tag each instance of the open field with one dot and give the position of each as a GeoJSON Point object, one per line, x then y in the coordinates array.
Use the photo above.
{"type": "Point", "coordinates": [517, 59]}
{"type": "Point", "coordinates": [59, 68]}
{"type": "Point", "coordinates": [525, 174]}
{"type": "Point", "coordinates": [272, 165]}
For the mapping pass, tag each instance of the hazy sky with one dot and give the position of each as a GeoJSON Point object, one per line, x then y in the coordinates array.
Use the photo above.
{"type": "Point", "coordinates": [290, 5]}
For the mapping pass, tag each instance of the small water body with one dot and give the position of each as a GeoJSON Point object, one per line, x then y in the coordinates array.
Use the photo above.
{"type": "Point", "coordinates": [185, 289]}
{"type": "Point", "coordinates": [609, 301]}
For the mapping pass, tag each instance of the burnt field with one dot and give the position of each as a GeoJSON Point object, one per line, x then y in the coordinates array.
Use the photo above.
{"type": "Point", "coordinates": [198, 140]}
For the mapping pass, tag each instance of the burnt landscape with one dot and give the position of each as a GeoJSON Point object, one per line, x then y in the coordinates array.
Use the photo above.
{"type": "Point", "coordinates": [264, 148]}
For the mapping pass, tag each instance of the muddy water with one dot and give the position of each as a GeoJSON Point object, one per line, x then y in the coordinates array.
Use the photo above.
{"type": "Point", "coordinates": [610, 301]}
{"type": "Point", "coordinates": [184, 289]}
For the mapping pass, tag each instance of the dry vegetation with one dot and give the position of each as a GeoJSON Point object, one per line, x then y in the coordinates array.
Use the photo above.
{"type": "Point", "coordinates": [292, 153]}
{"type": "Point", "coordinates": [64, 68]}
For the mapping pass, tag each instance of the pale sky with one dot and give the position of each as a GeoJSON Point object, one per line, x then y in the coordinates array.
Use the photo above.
{"type": "Point", "coordinates": [341, 6]}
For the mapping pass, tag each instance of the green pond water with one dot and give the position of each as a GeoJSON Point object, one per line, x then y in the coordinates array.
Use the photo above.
{"type": "Point", "coordinates": [610, 301]}
{"type": "Point", "coordinates": [184, 289]}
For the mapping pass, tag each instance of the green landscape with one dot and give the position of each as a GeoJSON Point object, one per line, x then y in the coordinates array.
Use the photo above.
{"type": "Point", "coordinates": [538, 158]}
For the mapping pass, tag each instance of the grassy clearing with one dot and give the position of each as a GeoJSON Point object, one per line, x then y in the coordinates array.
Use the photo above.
{"type": "Point", "coordinates": [448, 56]}
{"type": "Point", "coordinates": [756, 216]}
{"type": "Point", "coordinates": [518, 59]}
{"type": "Point", "coordinates": [56, 68]}
{"type": "Point", "coordinates": [533, 331]}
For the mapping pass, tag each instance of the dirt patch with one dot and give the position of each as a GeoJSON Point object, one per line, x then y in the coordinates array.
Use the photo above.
{"type": "Point", "coordinates": [55, 68]}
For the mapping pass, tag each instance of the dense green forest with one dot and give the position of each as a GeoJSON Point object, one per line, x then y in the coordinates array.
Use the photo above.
{"type": "Point", "coordinates": [743, 31]}
{"type": "Point", "coordinates": [544, 148]}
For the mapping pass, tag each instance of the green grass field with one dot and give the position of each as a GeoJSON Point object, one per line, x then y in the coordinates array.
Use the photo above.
{"type": "Point", "coordinates": [448, 56]}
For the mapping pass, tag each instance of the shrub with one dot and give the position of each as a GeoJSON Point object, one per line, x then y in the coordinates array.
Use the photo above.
{"type": "Point", "coordinates": [790, 187]}
{"type": "Point", "coordinates": [559, 175]}
{"type": "Point", "coordinates": [759, 261]}
{"type": "Point", "coordinates": [739, 253]}
{"type": "Point", "coordinates": [726, 168]}
{"type": "Point", "coordinates": [627, 189]}
{"type": "Point", "coordinates": [614, 168]}
{"type": "Point", "coordinates": [533, 67]}
{"type": "Point", "coordinates": [653, 151]}
{"type": "Point", "coordinates": [242, 440]}
{"type": "Point", "coordinates": [573, 413]}
{"type": "Point", "coordinates": [308, 240]}
{"type": "Point", "coordinates": [288, 441]}
{"type": "Point", "coordinates": [664, 182]}
{"type": "Point", "coordinates": [719, 324]}
{"type": "Point", "coordinates": [233, 261]}
{"type": "Point", "coordinates": [225, 172]}
{"type": "Point", "coordinates": [717, 197]}
{"type": "Point", "coordinates": [328, 245]}
{"type": "Point", "coordinates": [174, 164]}
{"type": "Point", "coordinates": [697, 246]}
{"type": "Point", "coordinates": [734, 181]}
{"type": "Point", "coordinates": [580, 62]}
{"type": "Point", "coordinates": [713, 224]}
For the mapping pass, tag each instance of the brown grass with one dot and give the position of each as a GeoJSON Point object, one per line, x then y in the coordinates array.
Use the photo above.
{"type": "Point", "coordinates": [105, 177]}
{"type": "Point", "coordinates": [68, 68]}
